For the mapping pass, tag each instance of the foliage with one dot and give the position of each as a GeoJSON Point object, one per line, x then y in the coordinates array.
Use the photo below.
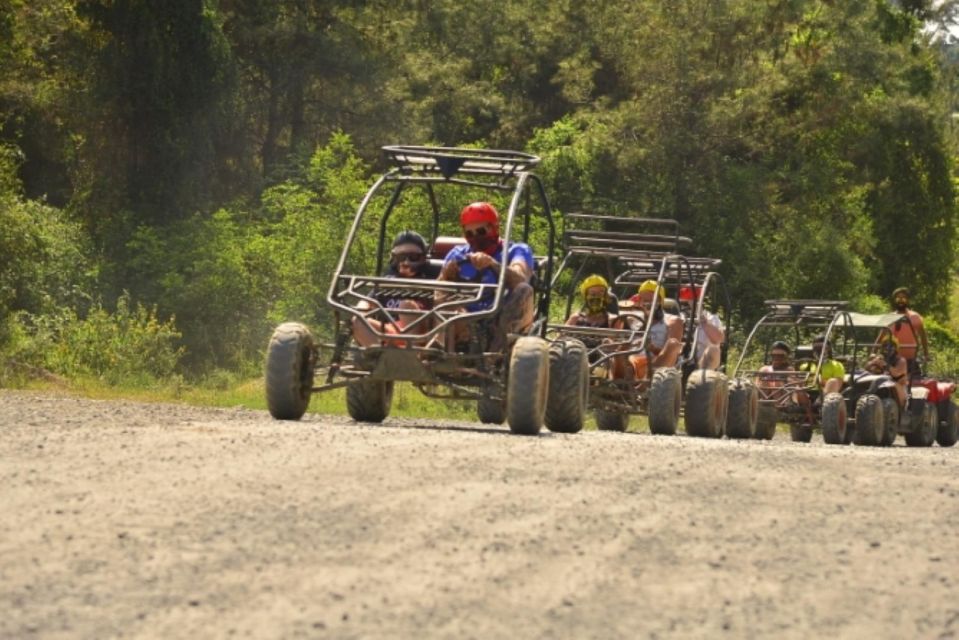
{"type": "Point", "coordinates": [130, 346]}
{"type": "Point", "coordinates": [213, 153]}
{"type": "Point", "coordinates": [46, 263]}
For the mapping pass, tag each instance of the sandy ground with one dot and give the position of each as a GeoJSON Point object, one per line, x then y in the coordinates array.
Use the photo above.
{"type": "Point", "coordinates": [122, 519]}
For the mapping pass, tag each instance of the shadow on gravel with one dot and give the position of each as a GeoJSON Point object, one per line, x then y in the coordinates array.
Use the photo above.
{"type": "Point", "coordinates": [496, 431]}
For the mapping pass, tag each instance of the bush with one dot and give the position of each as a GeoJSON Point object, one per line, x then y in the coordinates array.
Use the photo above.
{"type": "Point", "coordinates": [944, 349]}
{"type": "Point", "coordinates": [44, 256]}
{"type": "Point", "coordinates": [131, 346]}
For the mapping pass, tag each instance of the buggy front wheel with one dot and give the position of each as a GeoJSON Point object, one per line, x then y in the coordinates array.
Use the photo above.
{"type": "Point", "coordinates": [290, 362]}
{"type": "Point", "coordinates": [528, 385]}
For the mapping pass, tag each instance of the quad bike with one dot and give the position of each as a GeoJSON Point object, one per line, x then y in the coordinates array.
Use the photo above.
{"type": "Point", "coordinates": [525, 381]}
{"type": "Point", "coordinates": [930, 415]}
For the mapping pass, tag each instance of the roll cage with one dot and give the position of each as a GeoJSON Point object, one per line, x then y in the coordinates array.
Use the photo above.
{"type": "Point", "coordinates": [359, 297]}
{"type": "Point", "coordinates": [630, 251]}
{"type": "Point", "coordinates": [798, 321]}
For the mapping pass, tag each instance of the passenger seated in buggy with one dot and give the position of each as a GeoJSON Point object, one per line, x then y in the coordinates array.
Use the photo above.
{"type": "Point", "coordinates": [779, 353]}
{"type": "Point", "coordinates": [596, 313]}
{"type": "Point", "coordinates": [664, 332]}
{"type": "Point", "coordinates": [828, 379]}
{"type": "Point", "coordinates": [408, 259]}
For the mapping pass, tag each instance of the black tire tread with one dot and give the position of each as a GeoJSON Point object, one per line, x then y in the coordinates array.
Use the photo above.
{"type": "Point", "coordinates": [706, 401]}
{"type": "Point", "coordinates": [834, 422]}
{"type": "Point", "coordinates": [289, 371]}
{"type": "Point", "coordinates": [528, 385]}
{"type": "Point", "coordinates": [567, 398]}
{"type": "Point", "coordinates": [948, 433]}
{"type": "Point", "coordinates": [742, 417]}
{"type": "Point", "coordinates": [369, 400]}
{"type": "Point", "coordinates": [869, 421]}
{"type": "Point", "coordinates": [665, 397]}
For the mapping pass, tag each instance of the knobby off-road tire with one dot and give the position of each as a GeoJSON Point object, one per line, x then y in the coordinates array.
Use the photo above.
{"type": "Point", "coordinates": [707, 398]}
{"type": "Point", "coordinates": [800, 432]}
{"type": "Point", "coordinates": [568, 386]}
{"type": "Point", "coordinates": [766, 420]}
{"type": "Point", "coordinates": [611, 420]}
{"type": "Point", "coordinates": [834, 419]}
{"type": "Point", "coordinates": [948, 432]}
{"type": "Point", "coordinates": [925, 435]}
{"type": "Point", "coordinates": [665, 401]}
{"type": "Point", "coordinates": [528, 385]}
{"type": "Point", "coordinates": [290, 363]}
{"type": "Point", "coordinates": [890, 413]}
{"type": "Point", "coordinates": [369, 400]}
{"type": "Point", "coordinates": [743, 413]}
{"type": "Point", "coordinates": [491, 411]}
{"type": "Point", "coordinates": [870, 421]}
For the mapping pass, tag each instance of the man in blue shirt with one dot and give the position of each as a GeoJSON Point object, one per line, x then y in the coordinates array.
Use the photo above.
{"type": "Point", "coordinates": [481, 260]}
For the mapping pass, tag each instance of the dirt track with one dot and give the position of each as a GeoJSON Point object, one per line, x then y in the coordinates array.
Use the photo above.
{"type": "Point", "coordinates": [125, 519]}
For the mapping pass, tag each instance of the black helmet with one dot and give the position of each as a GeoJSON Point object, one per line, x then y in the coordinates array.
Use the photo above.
{"type": "Point", "coordinates": [410, 237]}
{"type": "Point", "coordinates": [779, 344]}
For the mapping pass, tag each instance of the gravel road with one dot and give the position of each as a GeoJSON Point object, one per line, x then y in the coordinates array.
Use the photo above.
{"type": "Point", "coordinates": [165, 521]}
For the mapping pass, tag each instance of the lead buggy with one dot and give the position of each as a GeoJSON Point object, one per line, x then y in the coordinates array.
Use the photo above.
{"type": "Point", "coordinates": [425, 188]}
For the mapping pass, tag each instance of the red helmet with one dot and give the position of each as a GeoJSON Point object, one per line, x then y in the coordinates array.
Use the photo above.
{"type": "Point", "coordinates": [479, 212]}
{"type": "Point", "coordinates": [688, 294]}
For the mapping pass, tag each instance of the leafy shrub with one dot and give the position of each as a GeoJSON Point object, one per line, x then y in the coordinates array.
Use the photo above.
{"type": "Point", "coordinates": [944, 349]}
{"type": "Point", "coordinates": [130, 346]}
{"type": "Point", "coordinates": [44, 256]}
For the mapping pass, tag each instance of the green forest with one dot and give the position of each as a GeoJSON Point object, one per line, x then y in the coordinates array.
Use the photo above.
{"type": "Point", "coordinates": [176, 177]}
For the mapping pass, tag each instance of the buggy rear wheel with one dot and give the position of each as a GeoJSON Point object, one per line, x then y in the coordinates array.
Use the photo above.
{"type": "Point", "coordinates": [834, 422]}
{"type": "Point", "coordinates": [290, 362]}
{"type": "Point", "coordinates": [869, 421]}
{"type": "Point", "coordinates": [369, 400]}
{"type": "Point", "coordinates": [568, 386]}
{"type": "Point", "coordinates": [491, 410]}
{"type": "Point", "coordinates": [528, 385]}
{"type": "Point", "coordinates": [707, 399]}
{"type": "Point", "coordinates": [611, 420]}
{"type": "Point", "coordinates": [665, 401]}
{"type": "Point", "coordinates": [800, 432]}
{"type": "Point", "coordinates": [743, 412]}
{"type": "Point", "coordinates": [766, 419]}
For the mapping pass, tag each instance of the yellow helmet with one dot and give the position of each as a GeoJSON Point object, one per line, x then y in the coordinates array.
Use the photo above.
{"type": "Point", "coordinates": [652, 285]}
{"type": "Point", "coordinates": [591, 281]}
{"type": "Point", "coordinates": [888, 337]}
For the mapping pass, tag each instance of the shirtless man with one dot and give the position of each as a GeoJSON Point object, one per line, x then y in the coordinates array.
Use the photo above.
{"type": "Point", "coordinates": [909, 331]}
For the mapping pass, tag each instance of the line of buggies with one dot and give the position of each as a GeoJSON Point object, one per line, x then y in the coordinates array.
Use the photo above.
{"type": "Point", "coordinates": [554, 374]}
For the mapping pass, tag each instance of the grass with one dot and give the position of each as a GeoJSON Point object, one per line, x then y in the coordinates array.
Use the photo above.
{"type": "Point", "coordinates": [223, 391]}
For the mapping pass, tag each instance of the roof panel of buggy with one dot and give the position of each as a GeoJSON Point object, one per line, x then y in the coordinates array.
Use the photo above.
{"type": "Point", "coordinates": [802, 311]}
{"type": "Point", "coordinates": [641, 245]}
{"type": "Point", "coordinates": [448, 161]}
{"type": "Point", "coordinates": [876, 321]}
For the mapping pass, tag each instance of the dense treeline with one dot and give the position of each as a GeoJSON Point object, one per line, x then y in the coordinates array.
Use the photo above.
{"type": "Point", "coordinates": [186, 168]}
